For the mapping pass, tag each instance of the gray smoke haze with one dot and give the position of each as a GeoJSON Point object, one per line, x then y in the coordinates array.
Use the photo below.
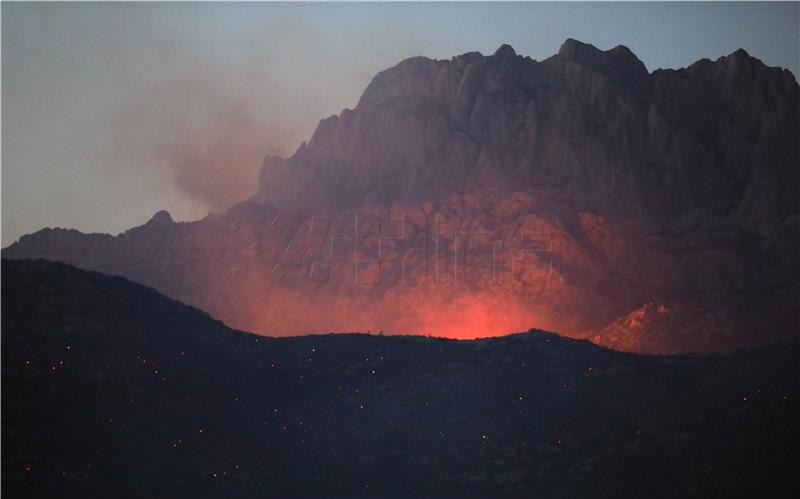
{"type": "Point", "coordinates": [115, 111]}
{"type": "Point", "coordinates": [209, 125]}
{"type": "Point", "coordinates": [208, 131]}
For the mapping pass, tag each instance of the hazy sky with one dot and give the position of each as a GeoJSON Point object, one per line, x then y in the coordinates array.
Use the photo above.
{"type": "Point", "coordinates": [111, 112]}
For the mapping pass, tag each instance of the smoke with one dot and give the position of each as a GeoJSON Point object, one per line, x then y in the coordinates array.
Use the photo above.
{"type": "Point", "coordinates": [206, 113]}
{"type": "Point", "coordinates": [207, 127]}
{"type": "Point", "coordinates": [208, 133]}
{"type": "Point", "coordinates": [206, 109]}
{"type": "Point", "coordinates": [113, 111]}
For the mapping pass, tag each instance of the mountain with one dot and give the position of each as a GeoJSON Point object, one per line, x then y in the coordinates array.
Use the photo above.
{"type": "Point", "coordinates": [652, 212]}
{"type": "Point", "coordinates": [594, 126]}
{"type": "Point", "coordinates": [110, 388]}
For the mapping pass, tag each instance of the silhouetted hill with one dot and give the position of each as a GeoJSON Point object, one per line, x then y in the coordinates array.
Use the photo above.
{"type": "Point", "coordinates": [111, 390]}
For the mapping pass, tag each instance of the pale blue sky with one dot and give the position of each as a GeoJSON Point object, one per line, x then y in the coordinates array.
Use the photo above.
{"type": "Point", "coordinates": [112, 112]}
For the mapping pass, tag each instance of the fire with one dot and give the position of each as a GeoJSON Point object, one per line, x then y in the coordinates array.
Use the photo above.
{"type": "Point", "coordinates": [460, 315]}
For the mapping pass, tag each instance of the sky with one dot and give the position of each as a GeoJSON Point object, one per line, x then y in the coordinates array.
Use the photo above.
{"type": "Point", "coordinates": [112, 112]}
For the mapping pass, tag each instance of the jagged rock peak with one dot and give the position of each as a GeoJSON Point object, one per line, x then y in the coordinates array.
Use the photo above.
{"type": "Point", "coordinates": [739, 56]}
{"type": "Point", "coordinates": [741, 59]}
{"type": "Point", "coordinates": [161, 218]}
{"type": "Point", "coordinates": [573, 48]}
{"type": "Point", "coordinates": [505, 50]}
{"type": "Point", "coordinates": [740, 53]}
{"type": "Point", "coordinates": [623, 52]}
{"type": "Point", "coordinates": [585, 52]}
{"type": "Point", "coordinates": [619, 63]}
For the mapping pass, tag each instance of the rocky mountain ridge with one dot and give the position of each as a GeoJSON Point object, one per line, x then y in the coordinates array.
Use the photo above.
{"type": "Point", "coordinates": [488, 194]}
{"type": "Point", "coordinates": [593, 126]}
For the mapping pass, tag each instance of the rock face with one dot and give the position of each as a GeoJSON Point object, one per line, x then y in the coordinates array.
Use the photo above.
{"type": "Point", "coordinates": [486, 194]}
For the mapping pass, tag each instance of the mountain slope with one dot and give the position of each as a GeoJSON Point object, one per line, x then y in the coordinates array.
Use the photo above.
{"type": "Point", "coordinates": [486, 194]}
{"type": "Point", "coordinates": [111, 388]}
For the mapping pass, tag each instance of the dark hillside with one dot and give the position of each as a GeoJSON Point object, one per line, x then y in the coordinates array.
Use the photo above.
{"type": "Point", "coordinates": [110, 389]}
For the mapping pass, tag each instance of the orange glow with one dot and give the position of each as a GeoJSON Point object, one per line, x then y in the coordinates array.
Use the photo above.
{"type": "Point", "coordinates": [461, 281]}
{"type": "Point", "coordinates": [451, 314]}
